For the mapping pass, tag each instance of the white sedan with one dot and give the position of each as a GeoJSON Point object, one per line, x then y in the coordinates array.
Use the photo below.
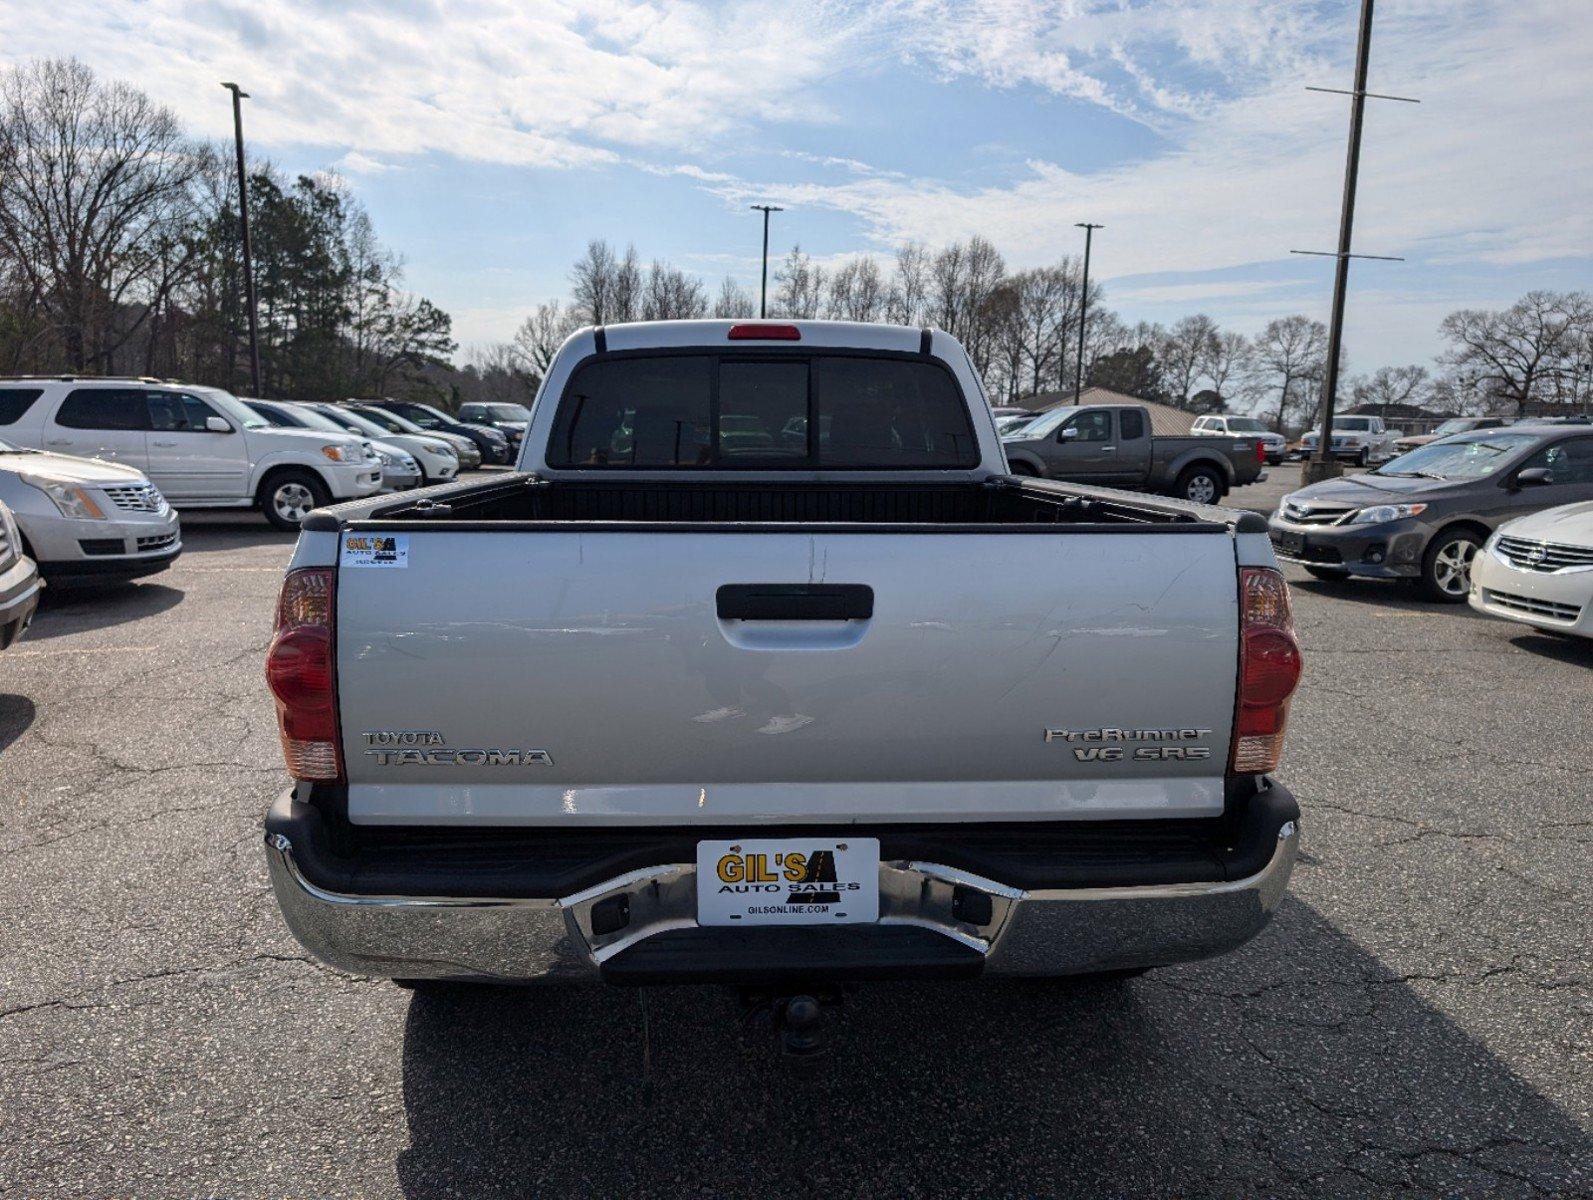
{"type": "Point", "coordinates": [1539, 570]}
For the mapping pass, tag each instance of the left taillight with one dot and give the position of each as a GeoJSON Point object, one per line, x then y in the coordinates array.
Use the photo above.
{"type": "Point", "coordinates": [1269, 671]}
{"type": "Point", "coordinates": [1261, 452]}
{"type": "Point", "coordinates": [302, 674]}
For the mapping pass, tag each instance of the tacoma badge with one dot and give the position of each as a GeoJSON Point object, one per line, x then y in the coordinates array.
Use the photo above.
{"type": "Point", "coordinates": [428, 747]}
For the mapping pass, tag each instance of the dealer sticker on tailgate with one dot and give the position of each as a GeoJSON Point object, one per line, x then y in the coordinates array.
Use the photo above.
{"type": "Point", "coordinates": [788, 881]}
{"type": "Point", "coordinates": [389, 550]}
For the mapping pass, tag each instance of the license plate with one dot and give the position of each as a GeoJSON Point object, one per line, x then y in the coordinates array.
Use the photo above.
{"type": "Point", "coordinates": [1289, 543]}
{"type": "Point", "coordinates": [788, 881]}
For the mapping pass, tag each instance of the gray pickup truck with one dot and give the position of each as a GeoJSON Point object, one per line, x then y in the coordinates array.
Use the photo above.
{"type": "Point", "coordinates": [1112, 445]}
{"type": "Point", "coordinates": [763, 670]}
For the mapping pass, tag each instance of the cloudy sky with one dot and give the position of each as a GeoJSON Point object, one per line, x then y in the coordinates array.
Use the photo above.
{"type": "Point", "coordinates": [491, 138]}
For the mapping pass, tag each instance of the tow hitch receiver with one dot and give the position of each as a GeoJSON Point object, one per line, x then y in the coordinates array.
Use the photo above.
{"type": "Point", "coordinates": [798, 1019]}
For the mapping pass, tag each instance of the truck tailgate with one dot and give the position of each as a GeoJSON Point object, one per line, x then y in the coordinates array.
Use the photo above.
{"type": "Point", "coordinates": [522, 677]}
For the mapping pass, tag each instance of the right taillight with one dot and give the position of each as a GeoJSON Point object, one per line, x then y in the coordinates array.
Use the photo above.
{"type": "Point", "coordinates": [301, 672]}
{"type": "Point", "coordinates": [1269, 671]}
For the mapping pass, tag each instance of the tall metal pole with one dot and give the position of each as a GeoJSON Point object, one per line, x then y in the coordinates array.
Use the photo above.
{"type": "Point", "coordinates": [238, 97]}
{"type": "Point", "coordinates": [1323, 465]}
{"type": "Point", "coordinates": [1084, 308]}
{"type": "Point", "coordinates": [763, 288]}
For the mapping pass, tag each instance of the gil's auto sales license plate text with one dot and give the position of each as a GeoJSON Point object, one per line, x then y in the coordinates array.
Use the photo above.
{"type": "Point", "coordinates": [788, 881]}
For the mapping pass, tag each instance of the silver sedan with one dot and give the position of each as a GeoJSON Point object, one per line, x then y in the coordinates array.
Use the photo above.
{"type": "Point", "coordinates": [86, 519]}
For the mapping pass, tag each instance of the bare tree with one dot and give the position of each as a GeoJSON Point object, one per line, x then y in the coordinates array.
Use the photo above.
{"type": "Point", "coordinates": [734, 301]}
{"type": "Point", "coordinates": [906, 300]}
{"type": "Point", "coordinates": [857, 291]}
{"type": "Point", "coordinates": [1104, 333]}
{"type": "Point", "coordinates": [1524, 354]}
{"type": "Point", "coordinates": [1227, 358]}
{"type": "Point", "coordinates": [962, 279]}
{"type": "Point", "coordinates": [1183, 354]}
{"type": "Point", "coordinates": [628, 288]}
{"type": "Point", "coordinates": [542, 333]}
{"type": "Point", "coordinates": [1291, 357]}
{"type": "Point", "coordinates": [801, 286]}
{"type": "Point", "coordinates": [1044, 311]}
{"type": "Point", "coordinates": [1388, 386]}
{"type": "Point", "coordinates": [98, 202]}
{"type": "Point", "coordinates": [592, 282]}
{"type": "Point", "coordinates": [947, 295]}
{"type": "Point", "coordinates": [672, 295]}
{"type": "Point", "coordinates": [496, 373]}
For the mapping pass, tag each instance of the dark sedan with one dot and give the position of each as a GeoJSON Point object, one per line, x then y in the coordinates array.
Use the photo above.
{"type": "Point", "coordinates": [493, 443]}
{"type": "Point", "coordinates": [1423, 516]}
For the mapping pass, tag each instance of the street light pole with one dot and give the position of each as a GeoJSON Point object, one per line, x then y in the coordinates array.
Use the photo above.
{"type": "Point", "coordinates": [238, 97]}
{"type": "Point", "coordinates": [763, 288]}
{"type": "Point", "coordinates": [1084, 307]}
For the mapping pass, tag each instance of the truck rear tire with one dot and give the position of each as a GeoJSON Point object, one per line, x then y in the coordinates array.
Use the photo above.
{"type": "Point", "coordinates": [1200, 484]}
{"type": "Point", "coordinates": [286, 497]}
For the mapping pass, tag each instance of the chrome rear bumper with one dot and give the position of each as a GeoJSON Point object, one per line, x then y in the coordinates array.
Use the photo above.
{"type": "Point", "coordinates": [1028, 933]}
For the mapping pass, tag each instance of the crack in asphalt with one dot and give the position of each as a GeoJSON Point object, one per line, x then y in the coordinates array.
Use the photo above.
{"type": "Point", "coordinates": [79, 1004]}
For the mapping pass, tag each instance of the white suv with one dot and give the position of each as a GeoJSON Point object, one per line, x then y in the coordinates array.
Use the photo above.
{"type": "Point", "coordinates": [202, 447]}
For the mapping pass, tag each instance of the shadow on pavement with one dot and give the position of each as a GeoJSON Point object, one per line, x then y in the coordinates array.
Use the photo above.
{"type": "Point", "coordinates": [1300, 1067]}
{"type": "Point", "coordinates": [1577, 651]}
{"type": "Point", "coordinates": [64, 610]}
{"type": "Point", "coordinates": [16, 714]}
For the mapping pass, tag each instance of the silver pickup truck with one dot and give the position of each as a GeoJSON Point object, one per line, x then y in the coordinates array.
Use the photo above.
{"type": "Point", "coordinates": [764, 669]}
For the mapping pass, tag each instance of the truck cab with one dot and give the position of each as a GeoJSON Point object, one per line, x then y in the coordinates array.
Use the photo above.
{"type": "Point", "coordinates": [1105, 444]}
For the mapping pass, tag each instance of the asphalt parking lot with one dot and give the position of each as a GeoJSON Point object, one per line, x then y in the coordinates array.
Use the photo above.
{"type": "Point", "coordinates": [1417, 1017]}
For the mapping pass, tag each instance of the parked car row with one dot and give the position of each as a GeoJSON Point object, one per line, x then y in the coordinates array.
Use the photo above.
{"type": "Point", "coordinates": [93, 470]}
{"type": "Point", "coordinates": [478, 441]}
{"type": "Point", "coordinates": [1502, 517]}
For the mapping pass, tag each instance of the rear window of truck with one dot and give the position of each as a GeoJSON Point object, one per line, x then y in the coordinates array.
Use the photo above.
{"type": "Point", "coordinates": [760, 412]}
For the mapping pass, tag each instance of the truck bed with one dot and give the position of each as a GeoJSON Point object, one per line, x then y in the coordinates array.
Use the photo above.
{"type": "Point", "coordinates": [1002, 501]}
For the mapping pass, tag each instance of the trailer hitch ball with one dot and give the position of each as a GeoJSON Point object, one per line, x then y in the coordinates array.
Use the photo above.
{"type": "Point", "coordinates": [801, 1027]}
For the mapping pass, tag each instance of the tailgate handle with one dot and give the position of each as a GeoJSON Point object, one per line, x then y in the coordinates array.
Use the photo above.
{"type": "Point", "coordinates": [795, 602]}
